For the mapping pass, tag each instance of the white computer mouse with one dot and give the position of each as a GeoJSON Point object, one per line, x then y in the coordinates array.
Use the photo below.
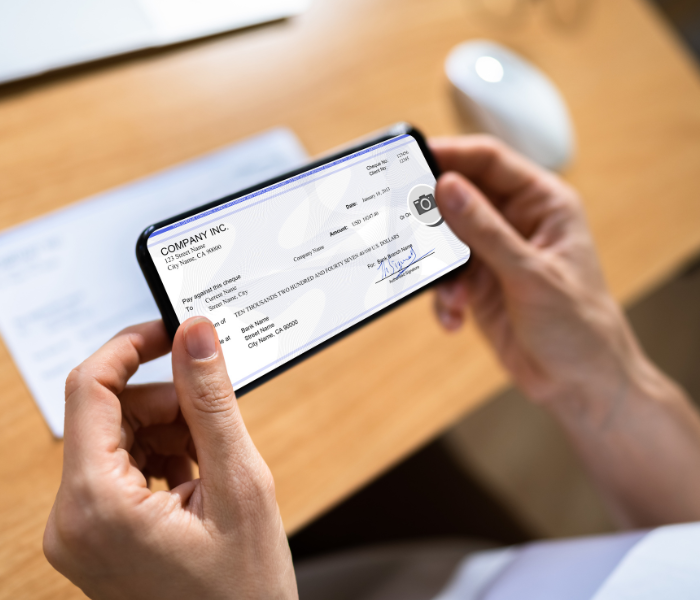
{"type": "Point", "coordinates": [512, 99]}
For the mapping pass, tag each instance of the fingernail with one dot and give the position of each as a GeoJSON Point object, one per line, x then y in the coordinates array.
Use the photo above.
{"type": "Point", "coordinates": [448, 289]}
{"type": "Point", "coordinates": [200, 339]}
{"type": "Point", "coordinates": [448, 320]}
{"type": "Point", "coordinates": [456, 198]}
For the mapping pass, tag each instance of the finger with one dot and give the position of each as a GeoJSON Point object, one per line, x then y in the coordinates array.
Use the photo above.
{"type": "Point", "coordinates": [149, 404]}
{"type": "Point", "coordinates": [168, 440]}
{"type": "Point", "coordinates": [486, 296]}
{"type": "Point", "coordinates": [224, 449]}
{"type": "Point", "coordinates": [115, 362]}
{"type": "Point", "coordinates": [490, 311]}
{"type": "Point", "coordinates": [163, 440]}
{"type": "Point", "coordinates": [145, 405]}
{"type": "Point", "coordinates": [175, 470]}
{"type": "Point", "coordinates": [138, 454]}
{"type": "Point", "coordinates": [487, 162]}
{"type": "Point", "coordinates": [93, 412]}
{"type": "Point", "coordinates": [178, 470]}
{"type": "Point", "coordinates": [449, 319]}
{"type": "Point", "coordinates": [452, 295]}
{"type": "Point", "coordinates": [451, 303]}
{"type": "Point", "coordinates": [127, 436]}
{"type": "Point", "coordinates": [476, 222]}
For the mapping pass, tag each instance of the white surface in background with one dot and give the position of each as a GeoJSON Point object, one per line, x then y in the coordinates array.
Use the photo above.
{"type": "Point", "coordinates": [70, 280]}
{"type": "Point", "coordinates": [513, 99]}
{"type": "Point", "coordinates": [177, 20]}
{"type": "Point", "coordinates": [40, 35]}
{"type": "Point", "coordinates": [664, 564]}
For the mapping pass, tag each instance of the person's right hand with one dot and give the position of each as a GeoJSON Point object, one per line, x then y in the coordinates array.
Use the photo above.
{"type": "Point", "coordinates": [535, 287]}
{"type": "Point", "coordinates": [537, 292]}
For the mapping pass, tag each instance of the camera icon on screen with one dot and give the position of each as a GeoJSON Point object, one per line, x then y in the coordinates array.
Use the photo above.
{"type": "Point", "coordinates": [424, 203]}
{"type": "Point", "coordinates": [421, 203]}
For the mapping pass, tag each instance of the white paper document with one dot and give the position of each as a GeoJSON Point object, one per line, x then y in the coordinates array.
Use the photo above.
{"type": "Point", "coordinates": [70, 280]}
{"type": "Point", "coordinates": [40, 35]}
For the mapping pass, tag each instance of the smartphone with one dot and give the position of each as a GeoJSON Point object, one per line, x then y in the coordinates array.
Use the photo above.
{"type": "Point", "coordinates": [285, 268]}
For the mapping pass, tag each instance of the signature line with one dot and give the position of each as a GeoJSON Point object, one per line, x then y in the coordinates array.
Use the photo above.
{"type": "Point", "coordinates": [407, 266]}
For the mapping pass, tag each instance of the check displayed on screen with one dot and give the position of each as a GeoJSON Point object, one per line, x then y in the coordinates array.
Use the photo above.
{"type": "Point", "coordinates": [285, 268]}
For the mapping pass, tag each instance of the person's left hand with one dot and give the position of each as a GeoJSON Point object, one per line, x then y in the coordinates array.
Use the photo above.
{"type": "Point", "coordinates": [219, 536]}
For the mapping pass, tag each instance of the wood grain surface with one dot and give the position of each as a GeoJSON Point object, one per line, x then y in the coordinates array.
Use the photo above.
{"type": "Point", "coordinates": [341, 70]}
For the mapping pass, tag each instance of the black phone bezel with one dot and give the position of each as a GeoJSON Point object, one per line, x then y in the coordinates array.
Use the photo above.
{"type": "Point", "coordinates": [165, 306]}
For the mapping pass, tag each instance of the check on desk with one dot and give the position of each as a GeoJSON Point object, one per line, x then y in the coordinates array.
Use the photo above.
{"type": "Point", "coordinates": [283, 269]}
{"type": "Point", "coordinates": [70, 280]}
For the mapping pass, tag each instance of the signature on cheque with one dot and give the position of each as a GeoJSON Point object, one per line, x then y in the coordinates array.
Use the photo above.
{"type": "Point", "coordinates": [396, 265]}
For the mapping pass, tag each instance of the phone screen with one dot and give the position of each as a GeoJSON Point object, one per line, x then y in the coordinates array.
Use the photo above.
{"type": "Point", "coordinates": [285, 268]}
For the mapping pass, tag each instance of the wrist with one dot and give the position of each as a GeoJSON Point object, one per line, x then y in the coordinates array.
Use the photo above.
{"type": "Point", "coordinates": [623, 381]}
{"type": "Point", "coordinates": [610, 364]}
{"type": "Point", "coordinates": [636, 432]}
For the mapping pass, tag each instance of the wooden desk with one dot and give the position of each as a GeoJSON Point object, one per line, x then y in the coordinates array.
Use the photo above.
{"type": "Point", "coordinates": [341, 70]}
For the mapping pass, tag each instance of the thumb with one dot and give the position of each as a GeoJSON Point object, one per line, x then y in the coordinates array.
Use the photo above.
{"type": "Point", "coordinates": [225, 452]}
{"type": "Point", "coordinates": [475, 221]}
